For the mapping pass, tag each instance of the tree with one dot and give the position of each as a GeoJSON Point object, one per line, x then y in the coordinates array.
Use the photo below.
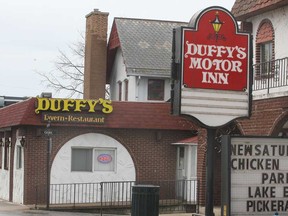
{"type": "Point", "coordinates": [68, 75]}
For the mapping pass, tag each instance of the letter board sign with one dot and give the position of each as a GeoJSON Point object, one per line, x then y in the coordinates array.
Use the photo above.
{"type": "Point", "coordinates": [254, 176]}
{"type": "Point", "coordinates": [211, 69]}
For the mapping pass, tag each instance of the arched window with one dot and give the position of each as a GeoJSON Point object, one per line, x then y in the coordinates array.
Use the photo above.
{"type": "Point", "coordinates": [265, 54]}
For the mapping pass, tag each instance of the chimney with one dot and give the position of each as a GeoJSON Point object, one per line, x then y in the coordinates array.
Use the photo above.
{"type": "Point", "coordinates": [95, 55]}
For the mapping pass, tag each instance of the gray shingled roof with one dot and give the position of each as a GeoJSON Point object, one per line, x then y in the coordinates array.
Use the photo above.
{"type": "Point", "coordinates": [146, 45]}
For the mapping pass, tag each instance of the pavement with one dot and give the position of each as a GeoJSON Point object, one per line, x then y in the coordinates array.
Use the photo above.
{"type": "Point", "coordinates": [13, 209]}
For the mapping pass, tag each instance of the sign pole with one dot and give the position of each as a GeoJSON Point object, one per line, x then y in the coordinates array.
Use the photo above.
{"type": "Point", "coordinates": [210, 172]}
{"type": "Point", "coordinates": [48, 132]}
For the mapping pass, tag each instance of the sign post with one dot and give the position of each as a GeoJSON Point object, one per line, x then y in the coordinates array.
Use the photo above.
{"type": "Point", "coordinates": [211, 82]}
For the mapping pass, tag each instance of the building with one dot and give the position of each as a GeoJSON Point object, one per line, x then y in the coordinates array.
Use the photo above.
{"type": "Point", "coordinates": [146, 142]}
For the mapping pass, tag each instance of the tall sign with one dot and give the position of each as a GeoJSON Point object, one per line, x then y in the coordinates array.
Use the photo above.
{"type": "Point", "coordinates": [254, 176]}
{"type": "Point", "coordinates": [211, 69]}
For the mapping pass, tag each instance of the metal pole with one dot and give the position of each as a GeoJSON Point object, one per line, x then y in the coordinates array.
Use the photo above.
{"type": "Point", "coordinates": [48, 133]}
{"type": "Point", "coordinates": [48, 171]}
{"type": "Point", "coordinates": [210, 172]}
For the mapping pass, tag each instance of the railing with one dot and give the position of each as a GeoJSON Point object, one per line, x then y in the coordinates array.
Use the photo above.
{"type": "Point", "coordinates": [272, 74]}
{"type": "Point", "coordinates": [173, 195]}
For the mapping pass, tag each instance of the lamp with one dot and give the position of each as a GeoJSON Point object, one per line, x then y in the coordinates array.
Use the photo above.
{"type": "Point", "coordinates": [1, 138]}
{"type": "Point", "coordinates": [21, 132]}
{"type": "Point", "coordinates": [217, 24]}
{"type": "Point", "coordinates": [7, 136]}
{"type": "Point", "coordinates": [22, 141]}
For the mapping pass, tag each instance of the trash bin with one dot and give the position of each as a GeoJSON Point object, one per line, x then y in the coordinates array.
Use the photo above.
{"type": "Point", "coordinates": [145, 200]}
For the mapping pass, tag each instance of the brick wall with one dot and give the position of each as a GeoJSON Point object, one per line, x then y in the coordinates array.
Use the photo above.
{"type": "Point", "coordinates": [154, 159]}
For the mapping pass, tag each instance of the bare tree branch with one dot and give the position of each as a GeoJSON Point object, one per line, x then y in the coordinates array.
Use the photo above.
{"type": "Point", "coordinates": [68, 75]}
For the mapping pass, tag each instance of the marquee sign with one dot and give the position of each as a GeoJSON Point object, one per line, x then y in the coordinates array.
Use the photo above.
{"type": "Point", "coordinates": [212, 62]}
{"type": "Point", "coordinates": [255, 176]}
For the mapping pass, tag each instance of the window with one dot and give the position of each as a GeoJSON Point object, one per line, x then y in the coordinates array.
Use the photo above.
{"type": "Point", "coordinates": [18, 157]}
{"type": "Point", "coordinates": [81, 159]}
{"type": "Point", "coordinates": [6, 155]}
{"type": "Point", "coordinates": [126, 90]}
{"type": "Point", "coordinates": [265, 52]}
{"type": "Point", "coordinates": [104, 160]}
{"type": "Point", "coordinates": [93, 159]}
{"type": "Point", "coordinates": [155, 89]}
{"type": "Point", "coordinates": [120, 90]}
{"type": "Point", "coordinates": [266, 56]}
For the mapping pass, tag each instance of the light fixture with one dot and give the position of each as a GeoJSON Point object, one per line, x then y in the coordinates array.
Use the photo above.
{"type": "Point", "coordinates": [217, 24]}
{"type": "Point", "coordinates": [7, 142]}
{"type": "Point", "coordinates": [22, 141]}
{"type": "Point", "coordinates": [7, 136]}
{"type": "Point", "coordinates": [1, 138]}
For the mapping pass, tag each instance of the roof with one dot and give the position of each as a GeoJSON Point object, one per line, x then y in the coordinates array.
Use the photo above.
{"type": "Point", "coordinates": [136, 115]}
{"type": "Point", "coordinates": [8, 100]}
{"type": "Point", "coordinates": [189, 141]}
{"type": "Point", "coordinates": [146, 45]}
{"type": "Point", "coordinates": [243, 9]}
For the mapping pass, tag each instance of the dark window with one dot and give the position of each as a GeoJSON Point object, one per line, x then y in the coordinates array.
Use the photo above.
{"type": "Point", "coordinates": [155, 89]}
{"type": "Point", "coordinates": [120, 91]}
{"type": "Point", "coordinates": [18, 157]}
{"type": "Point", "coordinates": [6, 155]}
{"type": "Point", "coordinates": [81, 159]}
{"type": "Point", "coordinates": [266, 56]}
{"type": "Point", "coordinates": [126, 90]}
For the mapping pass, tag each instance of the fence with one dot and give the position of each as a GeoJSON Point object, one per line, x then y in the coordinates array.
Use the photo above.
{"type": "Point", "coordinates": [174, 195]}
{"type": "Point", "coordinates": [271, 74]}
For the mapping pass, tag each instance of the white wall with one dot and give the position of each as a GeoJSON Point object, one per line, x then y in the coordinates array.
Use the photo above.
{"type": "Point", "coordinates": [61, 167]}
{"type": "Point", "coordinates": [18, 177]}
{"type": "Point", "coordinates": [4, 178]}
{"type": "Point", "coordinates": [137, 87]}
{"type": "Point", "coordinates": [118, 74]}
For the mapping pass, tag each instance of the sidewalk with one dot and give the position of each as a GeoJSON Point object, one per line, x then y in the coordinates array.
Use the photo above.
{"type": "Point", "coordinates": [6, 206]}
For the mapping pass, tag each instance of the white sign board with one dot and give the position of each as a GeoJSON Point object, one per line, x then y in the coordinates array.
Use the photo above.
{"type": "Point", "coordinates": [259, 176]}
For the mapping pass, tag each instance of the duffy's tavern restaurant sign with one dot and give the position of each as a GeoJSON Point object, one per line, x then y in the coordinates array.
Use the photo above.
{"type": "Point", "coordinates": [73, 110]}
{"type": "Point", "coordinates": [214, 62]}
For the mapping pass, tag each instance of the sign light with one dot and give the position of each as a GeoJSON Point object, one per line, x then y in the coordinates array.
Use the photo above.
{"type": "Point", "coordinates": [104, 158]}
{"type": "Point", "coordinates": [213, 60]}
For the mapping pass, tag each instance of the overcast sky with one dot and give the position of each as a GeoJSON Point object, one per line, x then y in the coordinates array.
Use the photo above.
{"type": "Point", "coordinates": [32, 32]}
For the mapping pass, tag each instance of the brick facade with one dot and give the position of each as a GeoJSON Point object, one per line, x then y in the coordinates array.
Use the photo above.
{"type": "Point", "coordinates": [154, 159]}
{"type": "Point", "coordinates": [95, 55]}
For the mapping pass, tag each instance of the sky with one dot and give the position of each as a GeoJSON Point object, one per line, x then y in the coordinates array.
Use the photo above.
{"type": "Point", "coordinates": [33, 32]}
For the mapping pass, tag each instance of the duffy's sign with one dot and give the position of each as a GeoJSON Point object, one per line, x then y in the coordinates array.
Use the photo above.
{"type": "Point", "coordinates": [214, 62]}
{"type": "Point", "coordinates": [215, 57]}
{"type": "Point", "coordinates": [73, 110]}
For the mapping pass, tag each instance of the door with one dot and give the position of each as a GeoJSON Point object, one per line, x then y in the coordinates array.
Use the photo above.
{"type": "Point", "coordinates": [186, 172]}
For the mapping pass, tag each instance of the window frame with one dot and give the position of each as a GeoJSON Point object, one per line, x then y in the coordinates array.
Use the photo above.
{"type": "Point", "coordinates": [82, 148]}
{"type": "Point", "coordinates": [114, 159]}
{"type": "Point", "coordinates": [93, 158]}
{"type": "Point", "coordinates": [18, 157]}
{"type": "Point", "coordinates": [158, 89]}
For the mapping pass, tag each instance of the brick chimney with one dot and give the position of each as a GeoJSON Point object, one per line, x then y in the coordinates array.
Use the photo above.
{"type": "Point", "coordinates": [95, 55]}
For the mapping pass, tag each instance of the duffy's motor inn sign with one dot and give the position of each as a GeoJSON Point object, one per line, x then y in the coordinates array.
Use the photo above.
{"type": "Point", "coordinates": [254, 176]}
{"type": "Point", "coordinates": [73, 110]}
{"type": "Point", "coordinates": [211, 69]}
